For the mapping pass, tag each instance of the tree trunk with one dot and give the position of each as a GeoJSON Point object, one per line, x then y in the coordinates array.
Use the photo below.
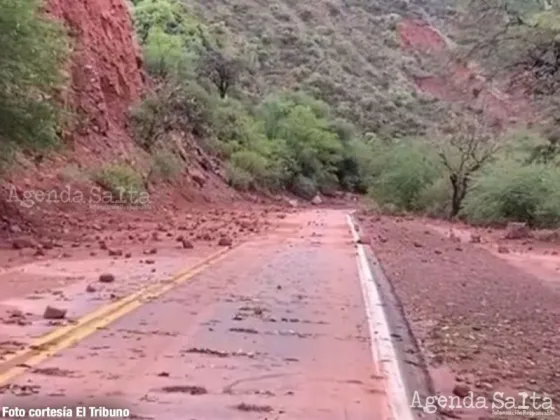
{"type": "Point", "coordinates": [459, 186]}
{"type": "Point", "coordinates": [455, 202]}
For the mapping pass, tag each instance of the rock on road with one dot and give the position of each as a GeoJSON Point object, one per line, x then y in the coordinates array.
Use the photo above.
{"type": "Point", "coordinates": [276, 330]}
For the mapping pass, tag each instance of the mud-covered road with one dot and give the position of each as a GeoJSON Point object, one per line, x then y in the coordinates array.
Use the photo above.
{"type": "Point", "coordinates": [276, 329]}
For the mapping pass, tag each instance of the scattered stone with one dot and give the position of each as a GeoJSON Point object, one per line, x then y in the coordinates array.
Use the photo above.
{"type": "Point", "coordinates": [39, 252]}
{"type": "Point", "coordinates": [22, 243]}
{"type": "Point", "coordinates": [244, 330]}
{"type": "Point", "coordinates": [210, 352]}
{"type": "Point", "coordinates": [454, 237]}
{"type": "Point", "coordinates": [151, 251]}
{"type": "Point", "coordinates": [485, 386]}
{"type": "Point", "coordinates": [187, 244]}
{"type": "Point", "coordinates": [502, 249]}
{"type": "Point", "coordinates": [197, 177]}
{"type": "Point", "coordinates": [475, 239]}
{"type": "Point", "coordinates": [47, 245]}
{"type": "Point", "coordinates": [54, 371]}
{"type": "Point", "coordinates": [461, 390]}
{"type": "Point", "coordinates": [364, 240]}
{"type": "Point", "coordinates": [128, 255]}
{"type": "Point", "coordinates": [54, 313]}
{"type": "Point", "coordinates": [150, 261]}
{"type": "Point", "coordinates": [417, 245]}
{"type": "Point", "coordinates": [15, 229]}
{"type": "Point", "coordinates": [225, 241]}
{"type": "Point", "coordinates": [317, 200]}
{"type": "Point", "coordinates": [91, 288]}
{"type": "Point", "coordinates": [115, 253]}
{"type": "Point", "coordinates": [292, 203]}
{"type": "Point", "coordinates": [516, 230]}
{"type": "Point", "coordinates": [106, 278]}
{"type": "Point", "coordinates": [254, 408]}
{"type": "Point", "coordinates": [185, 389]}
{"type": "Point", "coordinates": [164, 374]}
{"type": "Point", "coordinates": [446, 412]}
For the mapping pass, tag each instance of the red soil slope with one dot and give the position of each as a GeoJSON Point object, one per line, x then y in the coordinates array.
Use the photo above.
{"type": "Point", "coordinates": [461, 81]}
{"type": "Point", "coordinates": [105, 80]}
{"type": "Point", "coordinates": [105, 71]}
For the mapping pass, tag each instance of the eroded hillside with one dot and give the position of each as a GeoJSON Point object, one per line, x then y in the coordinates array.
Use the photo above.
{"type": "Point", "coordinates": [345, 52]}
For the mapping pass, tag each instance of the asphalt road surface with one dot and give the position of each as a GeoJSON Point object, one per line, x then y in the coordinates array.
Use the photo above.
{"type": "Point", "coordinates": [276, 329]}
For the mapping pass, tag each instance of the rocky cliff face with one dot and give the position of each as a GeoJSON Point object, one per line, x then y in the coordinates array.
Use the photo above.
{"type": "Point", "coordinates": [105, 71]}
{"type": "Point", "coordinates": [105, 79]}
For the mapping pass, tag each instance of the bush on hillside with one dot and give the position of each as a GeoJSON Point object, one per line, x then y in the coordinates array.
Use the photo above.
{"type": "Point", "coordinates": [186, 107]}
{"type": "Point", "coordinates": [165, 165]}
{"type": "Point", "coordinates": [33, 50]}
{"type": "Point", "coordinates": [165, 55]}
{"type": "Point", "coordinates": [512, 191]}
{"type": "Point", "coordinates": [290, 141]}
{"type": "Point", "coordinates": [239, 178]}
{"type": "Point", "coordinates": [304, 187]}
{"type": "Point", "coordinates": [172, 18]}
{"type": "Point", "coordinates": [435, 199]}
{"type": "Point", "coordinates": [122, 181]}
{"type": "Point", "coordinates": [406, 170]}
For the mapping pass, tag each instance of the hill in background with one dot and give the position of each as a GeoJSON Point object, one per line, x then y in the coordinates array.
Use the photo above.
{"type": "Point", "coordinates": [346, 53]}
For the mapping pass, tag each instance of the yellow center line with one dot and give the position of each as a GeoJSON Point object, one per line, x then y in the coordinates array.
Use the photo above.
{"type": "Point", "coordinates": [65, 337]}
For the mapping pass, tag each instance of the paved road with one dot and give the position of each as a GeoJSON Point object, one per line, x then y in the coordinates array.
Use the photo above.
{"type": "Point", "coordinates": [276, 330]}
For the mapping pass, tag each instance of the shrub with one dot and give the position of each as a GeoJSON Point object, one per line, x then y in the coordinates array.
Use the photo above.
{"type": "Point", "coordinates": [186, 107]}
{"type": "Point", "coordinates": [512, 191]}
{"type": "Point", "coordinates": [435, 198]}
{"type": "Point", "coordinates": [291, 140]}
{"type": "Point", "coordinates": [239, 178]}
{"type": "Point", "coordinates": [33, 50]}
{"type": "Point", "coordinates": [405, 173]}
{"type": "Point", "coordinates": [357, 168]}
{"type": "Point", "coordinates": [304, 187]}
{"type": "Point", "coordinates": [328, 183]}
{"type": "Point", "coordinates": [172, 18]}
{"type": "Point", "coordinates": [122, 181]}
{"type": "Point", "coordinates": [166, 56]}
{"type": "Point", "coordinates": [165, 164]}
{"type": "Point", "coordinates": [252, 163]}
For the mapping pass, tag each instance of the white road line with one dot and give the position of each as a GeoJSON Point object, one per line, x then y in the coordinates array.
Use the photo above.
{"type": "Point", "coordinates": [382, 348]}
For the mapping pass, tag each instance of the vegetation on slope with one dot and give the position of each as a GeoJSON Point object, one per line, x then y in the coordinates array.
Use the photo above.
{"type": "Point", "coordinates": [33, 52]}
{"type": "Point", "coordinates": [285, 139]}
{"type": "Point", "coordinates": [345, 53]}
{"type": "Point", "coordinates": [314, 97]}
{"type": "Point", "coordinates": [236, 77]}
